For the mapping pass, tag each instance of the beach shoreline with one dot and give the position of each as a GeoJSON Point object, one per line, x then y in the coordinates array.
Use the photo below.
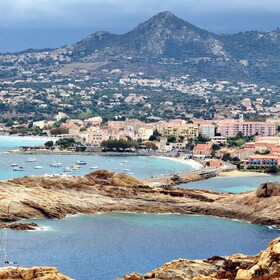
{"type": "Point", "coordinates": [238, 173]}
{"type": "Point", "coordinates": [190, 162]}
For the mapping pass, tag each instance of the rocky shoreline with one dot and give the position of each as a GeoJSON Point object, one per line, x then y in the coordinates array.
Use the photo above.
{"type": "Point", "coordinates": [20, 226]}
{"type": "Point", "coordinates": [104, 191]}
{"type": "Point", "coordinates": [264, 266]}
{"type": "Point", "coordinates": [34, 273]}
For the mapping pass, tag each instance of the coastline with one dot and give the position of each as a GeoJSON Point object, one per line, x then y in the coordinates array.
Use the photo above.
{"type": "Point", "coordinates": [104, 191]}
{"type": "Point", "coordinates": [190, 162]}
{"type": "Point", "coordinates": [237, 173]}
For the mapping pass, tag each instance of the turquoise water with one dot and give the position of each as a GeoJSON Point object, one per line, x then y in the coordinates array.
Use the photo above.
{"type": "Point", "coordinates": [231, 184]}
{"type": "Point", "coordinates": [138, 166]}
{"type": "Point", "coordinates": [11, 143]}
{"type": "Point", "coordinates": [105, 246]}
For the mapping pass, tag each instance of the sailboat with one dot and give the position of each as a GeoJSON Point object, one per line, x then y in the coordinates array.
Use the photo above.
{"type": "Point", "coordinates": [5, 263]}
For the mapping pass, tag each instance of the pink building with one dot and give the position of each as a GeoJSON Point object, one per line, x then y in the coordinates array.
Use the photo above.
{"type": "Point", "coordinates": [230, 129]}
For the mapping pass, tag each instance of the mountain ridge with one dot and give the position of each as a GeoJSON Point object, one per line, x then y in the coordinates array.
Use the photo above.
{"type": "Point", "coordinates": [166, 45]}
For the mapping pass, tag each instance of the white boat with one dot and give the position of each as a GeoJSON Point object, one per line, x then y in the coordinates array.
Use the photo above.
{"type": "Point", "coordinates": [93, 167]}
{"type": "Point", "coordinates": [13, 164]}
{"type": "Point", "coordinates": [56, 164]}
{"type": "Point", "coordinates": [18, 168]}
{"type": "Point", "coordinates": [5, 263]}
{"type": "Point", "coordinates": [38, 167]}
{"type": "Point", "coordinates": [80, 162]}
{"type": "Point", "coordinates": [75, 167]}
{"type": "Point", "coordinates": [123, 161]}
{"type": "Point", "coordinates": [126, 169]}
{"type": "Point", "coordinates": [31, 159]}
{"type": "Point", "coordinates": [67, 169]}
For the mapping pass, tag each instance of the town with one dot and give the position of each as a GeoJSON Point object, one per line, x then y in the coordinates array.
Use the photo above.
{"type": "Point", "coordinates": [104, 109]}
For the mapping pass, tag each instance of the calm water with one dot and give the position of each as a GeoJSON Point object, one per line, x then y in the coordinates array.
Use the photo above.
{"type": "Point", "coordinates": [105, 246]}
{"type": "Point", "coordinates": [230, 184]}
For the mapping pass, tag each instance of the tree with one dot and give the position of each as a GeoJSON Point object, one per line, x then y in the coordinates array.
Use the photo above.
{"type": "Point", "coordinates": [49, 144]}
{"type": "Point", "coordinates": [216, 147]}
{"type": "Point", "coordinates": [59, 130]}
{"type": "Point", "coordinates": [181, 138]}
{"type": "Point", "coordinates": [65, 142]}
{"type": "Point", "coordinates": [171, 138]}
{"type": "Point", "coordinates": [226, 157]}
{"type": "Point", "coordinates": [239, 135]}
{"type": "Point", "coordinates": [152, 138]}
{"type": "Point", "coordinates": [156, 133]}
{"type": "Point", "coordinates": [201, 139]}
{"type": "Point", "coordinates": [273, 169]}
{"type": "Point", "coordinates": [151, 146]}
{"type": "Point", "coordinates": [119, 145]}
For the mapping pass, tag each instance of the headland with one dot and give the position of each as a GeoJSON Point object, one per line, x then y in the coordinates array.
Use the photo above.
{"type": "Point", "coordinates": [104, 191]}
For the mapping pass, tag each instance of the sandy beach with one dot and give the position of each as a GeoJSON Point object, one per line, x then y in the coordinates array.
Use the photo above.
{"type": "Point", "coordinates": [190, 162]}
{"type": "Point", "coordinates": [237, 173]}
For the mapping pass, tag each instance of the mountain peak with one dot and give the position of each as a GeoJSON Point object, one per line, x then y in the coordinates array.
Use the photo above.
{"type": "Point", "coordinates": [165, 14]}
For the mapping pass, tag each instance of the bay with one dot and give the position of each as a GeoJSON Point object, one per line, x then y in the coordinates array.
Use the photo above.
{"type": "Point", "coordinates": [105, 246]}
{"type": "Point", "coordinates": [138, 166]}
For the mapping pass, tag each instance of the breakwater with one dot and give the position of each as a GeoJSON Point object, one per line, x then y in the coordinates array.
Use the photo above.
{"type": "Point", "coordinates": [180, 178]}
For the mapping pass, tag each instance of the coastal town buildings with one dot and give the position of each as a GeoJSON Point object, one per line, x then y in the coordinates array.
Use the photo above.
{"type": "Point", "coordinates": [230, 129]}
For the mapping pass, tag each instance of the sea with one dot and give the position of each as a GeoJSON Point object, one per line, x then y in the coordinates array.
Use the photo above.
{"type": "Point", "coordinates": [107, 245]}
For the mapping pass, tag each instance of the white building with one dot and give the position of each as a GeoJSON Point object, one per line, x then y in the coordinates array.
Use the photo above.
{"type": "Point", "coordinates": [207, 130]}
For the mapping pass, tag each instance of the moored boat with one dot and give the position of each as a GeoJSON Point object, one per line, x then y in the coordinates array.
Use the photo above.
{"type": "Point", "coordinates": [31, 159]}
{"type": "Point", "coordinates": [38, 167]}
{"type": "Point", "coordinates": [56, 164]}
{"type": "Point", "coordinates": [18, 168]}
{"type": "Point", "coordinates": [80, 162]}
{"type": "Point", "coordinates": [94, 167]}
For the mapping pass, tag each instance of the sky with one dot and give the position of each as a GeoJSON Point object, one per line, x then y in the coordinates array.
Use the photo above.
{"type": "Point", "coordinates": [120, 16]}
{"type": "Point", "coordinates": [42, 24]}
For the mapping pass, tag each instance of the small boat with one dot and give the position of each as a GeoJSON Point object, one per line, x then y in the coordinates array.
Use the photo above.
{"type": "Point", "coordinates": [67, 169]}
{"type": "Point", "coordinates": [56, 164]}
{"type": "Point", "coordinates": [94, 167]}
{"type": "Point", "coordinates": [126, 169]}
{"type": "Point", "coordinates": [123, 161]}
{"type": "Point", "coordinates": [13, 164]}
{"type": "Point", "coordinates": [18, 168]}
{"type": "Point", "coordinates": [75, 167]}
{"type": "Point", "coordinates": [38, 167]}
{"type": "Point", "coordinates": [80, 162]}
{"type": "Point", "coordinates": [130, 173]}
{"type": "Point", "coordinates": [31, 159]}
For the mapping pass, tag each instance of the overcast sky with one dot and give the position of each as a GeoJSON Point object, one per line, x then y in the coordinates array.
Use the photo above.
{"type": "Point", "coordinates": [122, 15]}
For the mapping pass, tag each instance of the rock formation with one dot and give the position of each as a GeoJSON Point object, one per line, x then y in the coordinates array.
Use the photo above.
{"type": "Point", "coordinates": [20, 226]}
{"type": "Point", "coordinates": [35, 273]}
{"type": "Point", "coordinates": [264, 266]}
{"type": "Point", "coordinates": [104, 191]}
{"type": "Point", "coordinates": [269, 189]}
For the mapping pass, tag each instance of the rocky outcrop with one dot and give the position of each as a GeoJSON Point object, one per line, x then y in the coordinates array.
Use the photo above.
{"type": "Point", "coordinates": [20, 226]}
{"type": "Point", "coordinates": [264, 266]}
{"type": "Point", "coordinates": [34, 273]}
{"type": "Point", "coordinates": [104, 191]}
{"type": "Point", "coordinates": [269, 189]}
